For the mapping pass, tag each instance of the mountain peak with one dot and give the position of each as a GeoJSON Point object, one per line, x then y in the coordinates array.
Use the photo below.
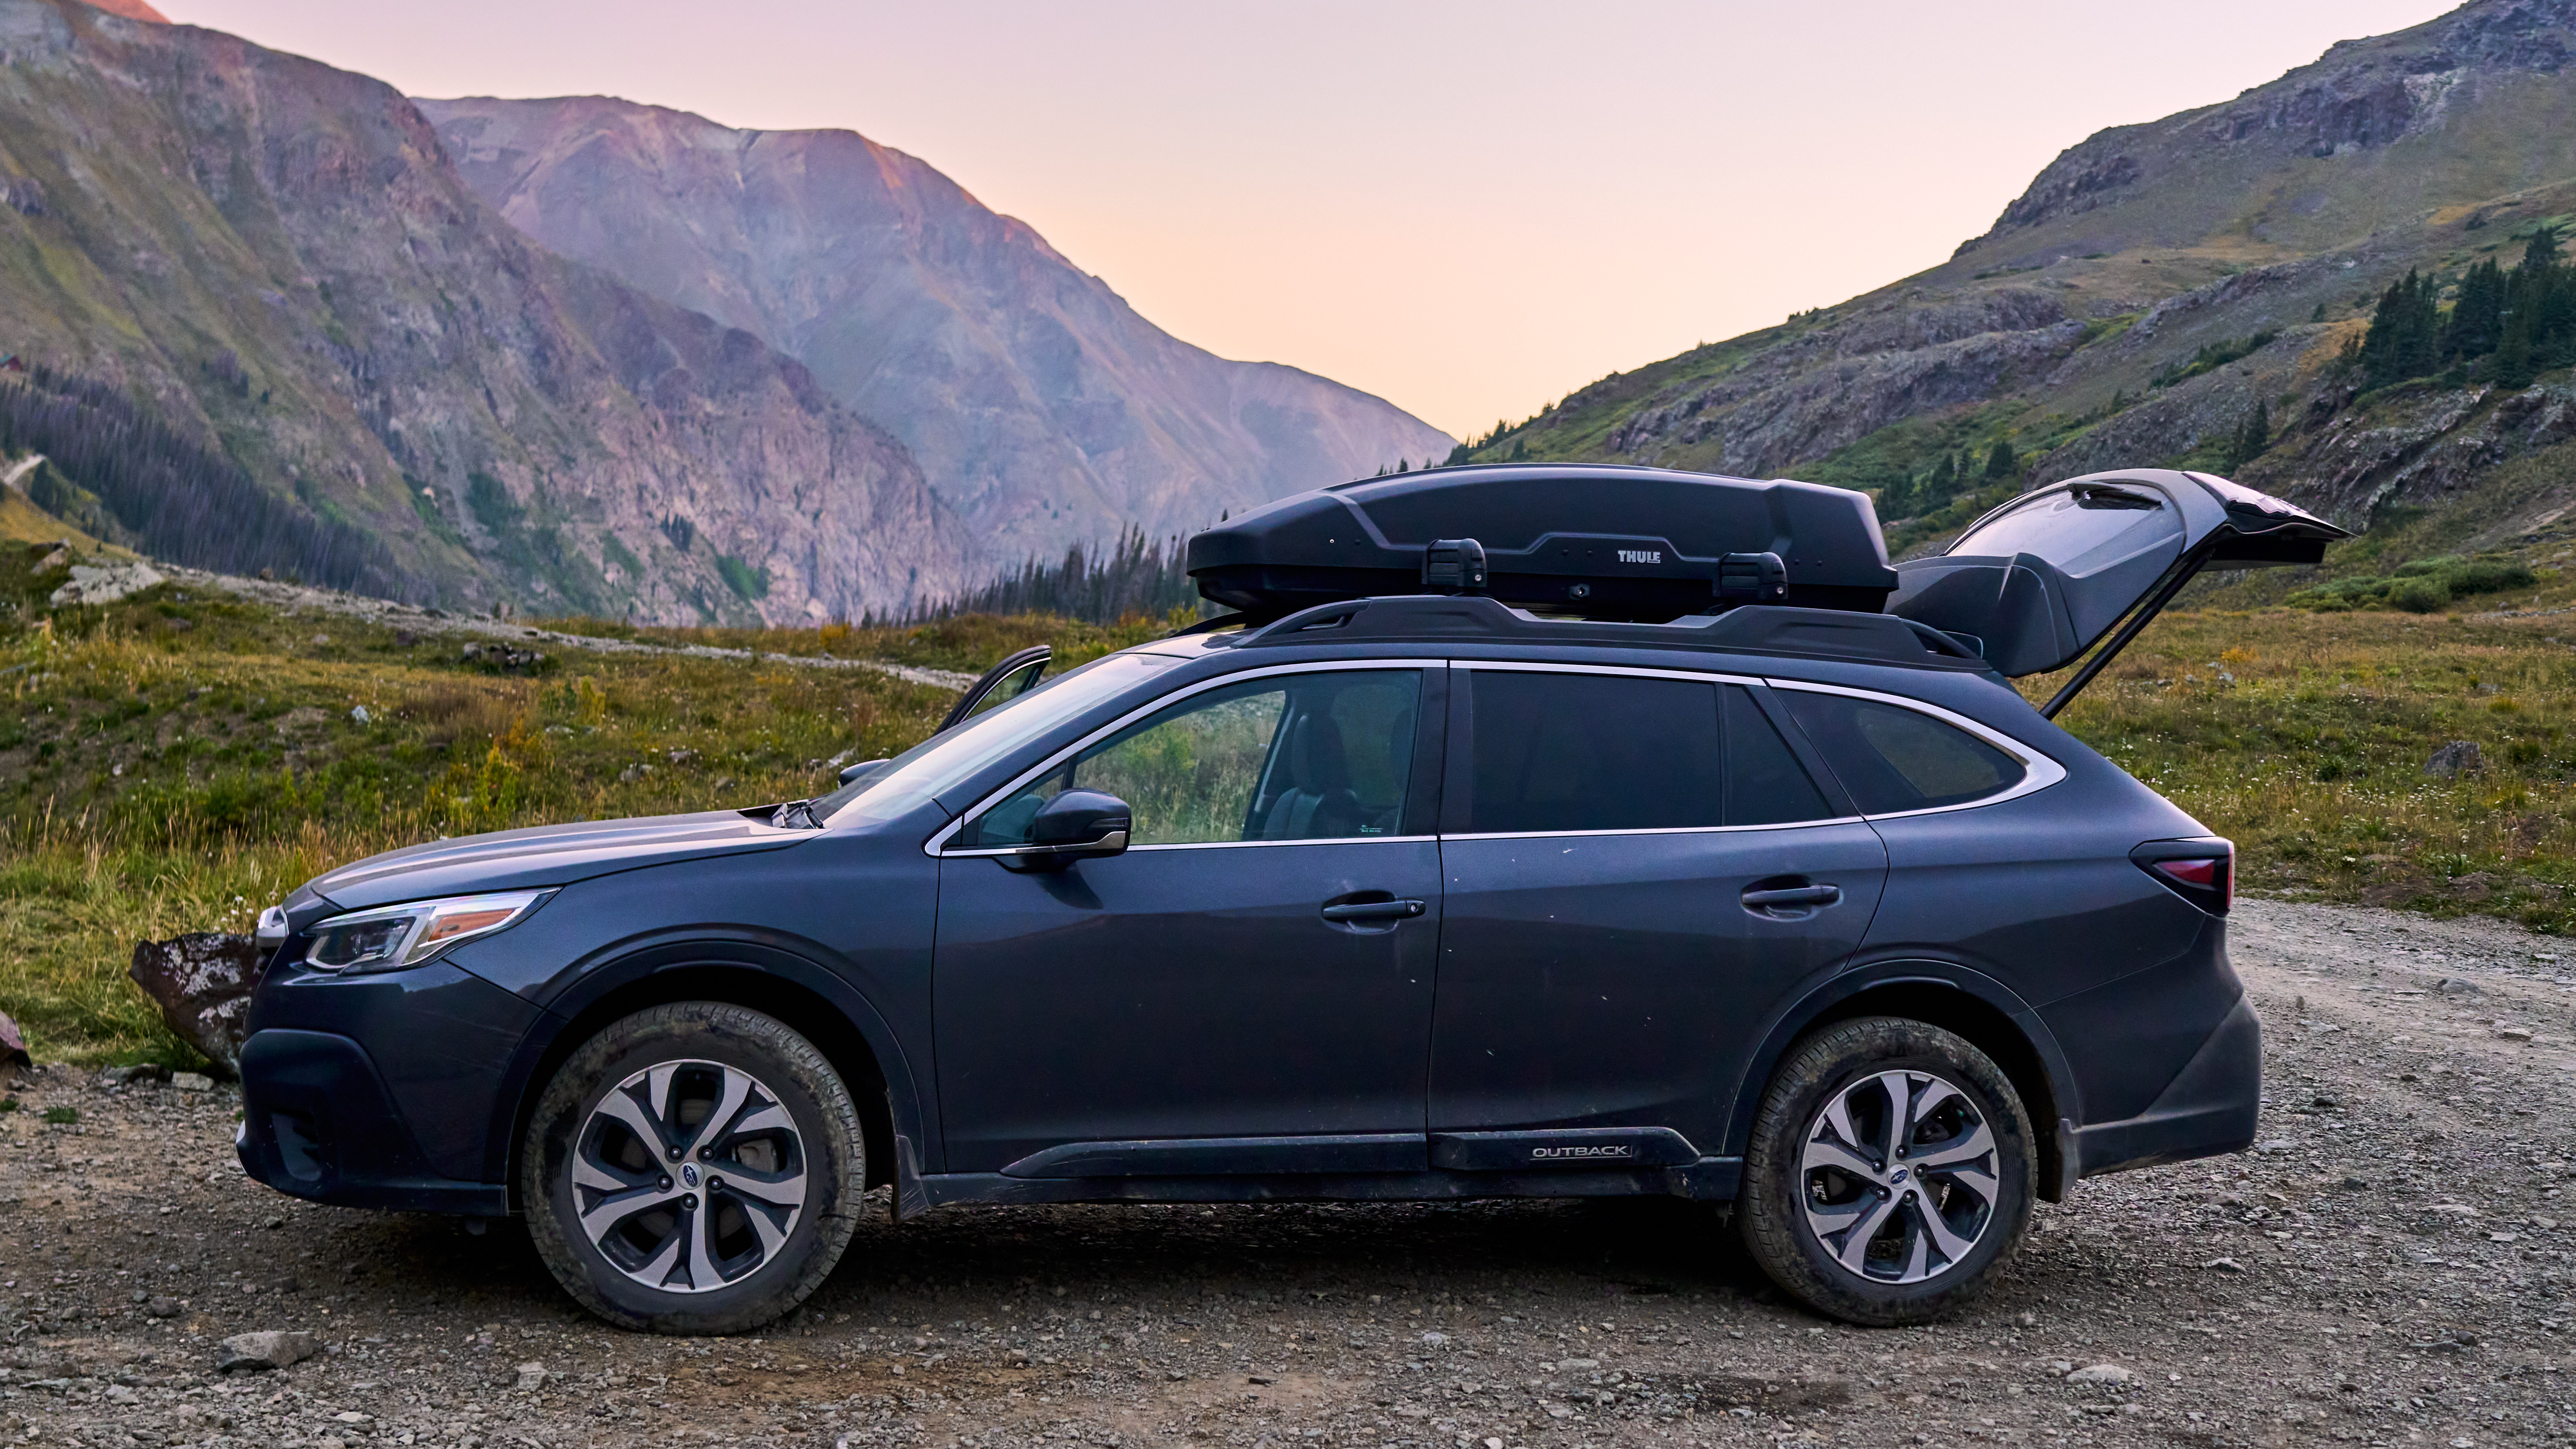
{"type": "Point", "coordinates": [131, 10]}
{"type": "Point", "coordinates": [1039, 403]}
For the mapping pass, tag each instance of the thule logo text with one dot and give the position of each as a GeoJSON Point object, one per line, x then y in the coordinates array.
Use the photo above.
{"type": "Point", "coordinates": [1600, 1149]}
{"type": "Point", "coordinates": [1641, 555]}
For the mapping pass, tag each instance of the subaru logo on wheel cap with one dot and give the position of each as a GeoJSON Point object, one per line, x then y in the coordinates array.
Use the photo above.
{"type": "Point", "coordinates": [1898, 1176]}
{"type": "Point", "coordinates": [689, 1174]}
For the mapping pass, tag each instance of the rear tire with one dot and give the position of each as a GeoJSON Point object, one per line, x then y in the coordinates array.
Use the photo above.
{"type": "Point", "coordinates": [693, 1168]}
{"type": "Point", "coordinates": [1890, 1173]}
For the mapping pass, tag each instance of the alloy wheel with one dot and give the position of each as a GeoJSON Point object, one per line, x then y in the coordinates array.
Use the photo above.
{"type": "Point", "coordinates": [1898, 1176]}
{"type": "Point", "coordinates": [688, 1176]}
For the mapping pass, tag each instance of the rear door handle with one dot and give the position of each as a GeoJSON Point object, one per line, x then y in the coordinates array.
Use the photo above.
{"type": "Point", "coordinates": [1375, 911]}
{"type": "Point", "coordinates": [1815, 895]}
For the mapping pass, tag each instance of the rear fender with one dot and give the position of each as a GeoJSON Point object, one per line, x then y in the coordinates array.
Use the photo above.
{"type": "Point", "coordinates": [1956, 998]}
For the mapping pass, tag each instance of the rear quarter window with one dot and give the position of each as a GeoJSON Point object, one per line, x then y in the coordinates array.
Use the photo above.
{"type": "Point", "coordinates": [1894, 759]}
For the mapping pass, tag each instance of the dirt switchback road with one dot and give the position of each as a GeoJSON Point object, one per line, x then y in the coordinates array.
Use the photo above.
{"type": "Point", "coordinates": [2389, 1267]}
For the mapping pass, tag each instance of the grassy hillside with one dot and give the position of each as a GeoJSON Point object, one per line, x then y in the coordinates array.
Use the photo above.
{"type": "Point", "coordinates": [172, 762]}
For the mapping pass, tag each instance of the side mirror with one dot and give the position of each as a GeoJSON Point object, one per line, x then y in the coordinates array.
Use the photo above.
{"type": "Point", "coordinates": [1076, 825]}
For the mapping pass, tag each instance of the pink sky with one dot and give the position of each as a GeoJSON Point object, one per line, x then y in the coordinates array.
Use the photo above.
{"type": "Point", "coordinates": [1470, 209]}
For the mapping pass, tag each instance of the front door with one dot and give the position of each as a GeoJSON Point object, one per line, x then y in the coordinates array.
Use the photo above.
{"type": "Point", "coordinates": [1248, 987]}
{"type": "Point", "coordinates": [1638, 869]}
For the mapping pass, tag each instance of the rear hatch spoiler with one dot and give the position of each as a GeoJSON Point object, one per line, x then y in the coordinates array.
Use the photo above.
{"type": "Point", "coordinates": [2042, 579]}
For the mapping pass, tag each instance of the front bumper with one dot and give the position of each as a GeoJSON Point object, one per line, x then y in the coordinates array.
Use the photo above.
{"type": "Point", "coordinates": [318, 1123]}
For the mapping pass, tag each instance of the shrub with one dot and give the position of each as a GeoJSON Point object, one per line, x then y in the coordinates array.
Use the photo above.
{"type": "Point", "coordinates": [2420, 595]}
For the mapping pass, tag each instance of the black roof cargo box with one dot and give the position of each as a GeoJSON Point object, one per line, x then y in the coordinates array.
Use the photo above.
{"type": "Point", "coordinates": [1640, 544]}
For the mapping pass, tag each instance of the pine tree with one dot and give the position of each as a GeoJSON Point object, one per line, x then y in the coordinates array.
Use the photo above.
{"type": "Point", "coordinates": [2516, 364]}
{"type": "Point", "coordinates": [2477, 318]}
{"type": "Point", "coordinates": [1999, 463]}
{"type": "Point", "coordinates": [2252, 440]}
{"type": "Point", "coordinates": [2403, 341]}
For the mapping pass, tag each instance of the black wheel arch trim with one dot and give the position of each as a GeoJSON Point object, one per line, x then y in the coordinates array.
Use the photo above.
{"type": "Point", "coordinates": [588, 986]}
{"type": "Point", "coordinates": [1823, 1001]}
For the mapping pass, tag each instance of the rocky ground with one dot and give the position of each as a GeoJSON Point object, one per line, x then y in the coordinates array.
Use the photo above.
{"type": "Point", "coordinates": [2388, 1266]}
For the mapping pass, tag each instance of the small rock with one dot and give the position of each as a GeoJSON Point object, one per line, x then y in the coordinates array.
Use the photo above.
{"type": "Point", "coordinates": [162, 1307]}
{"type": "Point", "coordinates": [2225, 1265]}
{"type": "Point", "coordinates": [13, 1044]}
{"type": "Point", "coordinates": [682, 757]}
{"type": "Point", "coordinates": [532, 1376]}
{"type": "Point", "coordinates": [2513, 1033]}
{"type": "Point", "coordinates": [321, 638]}
{"type": "Point", "coordinates": [120, 1394]}
{"type": "Point", "coordinates": [2100, 1373]}
{"type": "Point", "coordinates": [633, 773]}
{"type": "Point", "coordinates": [359, 715]}
{"type": "Point", "coordinates": [352, 1416]}
{"type": "Point", "coordinates": [268, 1349]}
{"type": "Point", "coordinates": [192, 1082]}
{"type": "Point", "coordinates": [2456, 986]}
{"type": "Point", "coordinates": [2459, 757]}
{"type": "Point", "coordinates": [2453, 1209]}
{"type": "Point", "coordinates": [405, 638]}
{"type": "Point", "coordinates": [1259, 1379]}
{"type": "Point", "coordinates": [471, 652]}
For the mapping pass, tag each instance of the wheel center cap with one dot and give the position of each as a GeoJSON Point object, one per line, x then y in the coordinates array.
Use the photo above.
{"type": "Point", "coordinates": [689, 1174]}
{"type": "Point", "coordinates": [1895, 1179]}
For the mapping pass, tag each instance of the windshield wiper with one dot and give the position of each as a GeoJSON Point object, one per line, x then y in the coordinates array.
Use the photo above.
{"type": "Point", "coordinates": [796, 815]}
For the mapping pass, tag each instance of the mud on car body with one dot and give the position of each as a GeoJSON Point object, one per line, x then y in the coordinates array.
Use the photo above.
{"type": "Point", "coordinates": [1525, 832]}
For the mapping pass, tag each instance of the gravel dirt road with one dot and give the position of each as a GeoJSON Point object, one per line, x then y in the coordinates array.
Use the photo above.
{"type": "Point", "coordinates": [2389, 1266]}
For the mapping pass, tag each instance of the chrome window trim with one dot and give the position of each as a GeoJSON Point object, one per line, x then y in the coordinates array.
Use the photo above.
{"type": "Point", "coordinates": [981, 850]}
{"type": "Point", "coordinates": [2038, 770]}
{"type": "Point", "coordinates": [1659, 830]}
{"type": "Point", "coordinates": [967, 816]}
{"type": "Point", "coordinates": [1691, 676]}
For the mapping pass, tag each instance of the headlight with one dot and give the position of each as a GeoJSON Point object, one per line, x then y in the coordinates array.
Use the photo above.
{"type": "Point", "coordinates": [390, 938]}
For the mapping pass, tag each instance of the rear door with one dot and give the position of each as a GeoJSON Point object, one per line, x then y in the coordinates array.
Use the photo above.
{"type": "Point", "coordinates": [1637, 868]}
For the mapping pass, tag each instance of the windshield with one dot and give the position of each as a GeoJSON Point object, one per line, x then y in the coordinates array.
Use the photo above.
{"type": "Point", "coordinates": [946, 761]}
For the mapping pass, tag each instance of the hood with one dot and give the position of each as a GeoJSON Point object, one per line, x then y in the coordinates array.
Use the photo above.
{"type": "Point", "coordinates": [544, 855]}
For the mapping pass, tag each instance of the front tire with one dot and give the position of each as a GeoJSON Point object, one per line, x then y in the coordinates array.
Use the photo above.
{"type": "Point", "coordinates": [693, 1168]}
{"type": "Point", "coordinates": [1890, 1173]}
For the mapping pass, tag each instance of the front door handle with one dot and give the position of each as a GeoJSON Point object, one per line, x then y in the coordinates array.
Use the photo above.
{"type": "Point", "coordinates": [1812, 895]}
{"type": "Point", "coordinates": [1374, 911]}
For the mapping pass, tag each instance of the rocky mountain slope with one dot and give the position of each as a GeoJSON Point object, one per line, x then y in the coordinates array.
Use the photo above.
{"type": "Point", "coordinates": [1039, 403]}
{"type": "Point", "coordinates": [279, 260]}
{"type": "Point", "coordinates": [2155, 284]}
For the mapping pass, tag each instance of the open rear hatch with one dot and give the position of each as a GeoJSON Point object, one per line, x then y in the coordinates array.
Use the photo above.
{"type": "Point", "coordinates": [2046, 577]}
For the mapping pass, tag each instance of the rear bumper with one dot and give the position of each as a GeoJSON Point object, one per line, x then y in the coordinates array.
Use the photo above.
{"type": "Point", "coordinates": [318, 1123]}
{"type": "Point", "coordinates": [2209, 1108]}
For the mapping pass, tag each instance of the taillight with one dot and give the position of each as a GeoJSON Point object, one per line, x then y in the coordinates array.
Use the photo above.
{"type": "Point", "coordinates": [2202, 872]}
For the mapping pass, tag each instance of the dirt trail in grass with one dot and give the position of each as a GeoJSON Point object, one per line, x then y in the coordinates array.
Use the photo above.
{"type": "Point", "coordinates": [2388, 1266]}
{"type": "Point", "coordinates": [520, 636]}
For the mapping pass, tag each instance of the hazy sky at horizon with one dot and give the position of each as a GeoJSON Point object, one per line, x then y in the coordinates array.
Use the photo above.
{"type": "Point", "coordinates": [1469, 209]}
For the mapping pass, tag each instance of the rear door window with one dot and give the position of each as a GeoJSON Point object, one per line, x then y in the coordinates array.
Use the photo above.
{"type": "Point", "coordinates": [1554, 752]}
{"type": "Point", "coordinates": [1895, 759]}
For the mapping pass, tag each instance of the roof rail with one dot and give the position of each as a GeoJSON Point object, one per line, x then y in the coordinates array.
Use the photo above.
{"type": "Point", "coordinates": [1771, 629]}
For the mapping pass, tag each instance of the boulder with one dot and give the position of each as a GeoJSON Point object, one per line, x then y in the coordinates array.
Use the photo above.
{"type": "Point", "coordinates": [96, 585]}
{"type": "Point", "coordinates": [13, 1045]}
{"type": "Point", "coordinates": [269, 1349]}
{"type": "Point", "coordinates": [2459, 757]}
{"type": "Point", "coordinates": [202, 982]}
